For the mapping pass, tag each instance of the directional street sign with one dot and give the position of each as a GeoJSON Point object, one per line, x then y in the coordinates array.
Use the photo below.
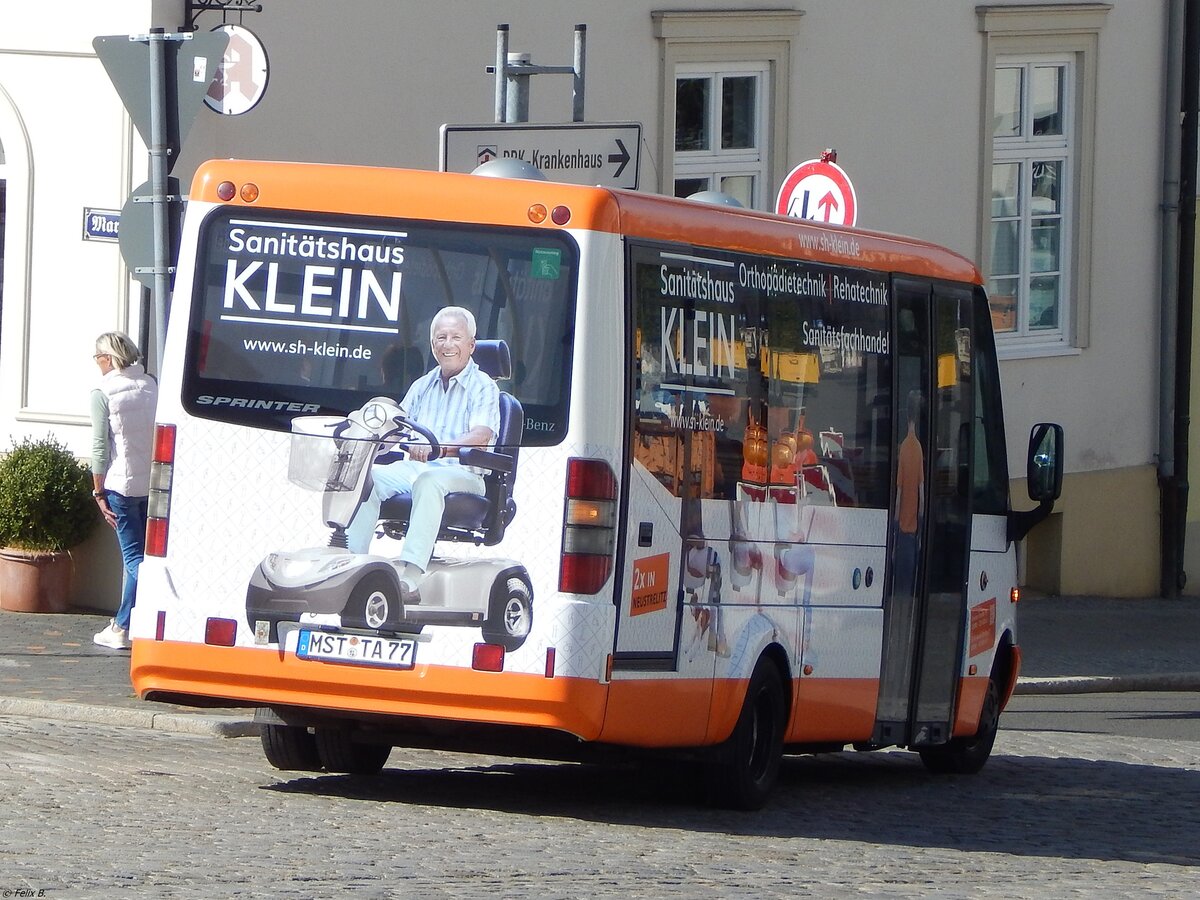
{"type": "Point", "coordinates": [599, 153]}
{"type": "Point", "coordinates": [818, 190]}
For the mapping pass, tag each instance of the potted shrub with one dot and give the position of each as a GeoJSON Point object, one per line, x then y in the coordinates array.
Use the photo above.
{"type": "Point", "coordinates": [46, 508]}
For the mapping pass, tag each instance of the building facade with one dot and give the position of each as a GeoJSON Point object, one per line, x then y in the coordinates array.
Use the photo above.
{"type": "Point", "coordinates": [1004, 131]}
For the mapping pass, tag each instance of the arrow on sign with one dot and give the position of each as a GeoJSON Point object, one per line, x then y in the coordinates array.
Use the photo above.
{"type": "Point", "coordinates": [828, 203]}
{"type": "Point", "coordinates": [623, 158]}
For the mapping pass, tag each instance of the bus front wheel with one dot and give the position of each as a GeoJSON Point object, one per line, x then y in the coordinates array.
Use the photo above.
{"type": "Point", "coordinates": [748, 763]}
{"type": "Point", "coordinates": [967, 755]}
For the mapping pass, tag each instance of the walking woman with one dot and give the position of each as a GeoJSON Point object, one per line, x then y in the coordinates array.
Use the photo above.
{"type": "Point", "coordinates": [122, 439]}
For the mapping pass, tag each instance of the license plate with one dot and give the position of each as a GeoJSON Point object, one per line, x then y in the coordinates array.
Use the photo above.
{"type": "Point", "coordinates": [395, 653]}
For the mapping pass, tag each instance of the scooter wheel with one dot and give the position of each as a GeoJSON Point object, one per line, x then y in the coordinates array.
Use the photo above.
{"type": "Point", "coordinates": [374, 603]}
{"type": "Point", "coordinates": [510, 614]}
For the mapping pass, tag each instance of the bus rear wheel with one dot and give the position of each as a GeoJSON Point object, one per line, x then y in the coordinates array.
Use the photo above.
{"type": "Point", "coordinates": [290, 748]}
{"type": "Point", "coordinates": [748, 763]}
{"type": "Point", "coordinates": [967, 755]}
{"type": "Point", "coordinates": [340, 754]}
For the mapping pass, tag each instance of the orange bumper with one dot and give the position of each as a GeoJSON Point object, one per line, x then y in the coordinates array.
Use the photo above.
{"type": "Point", "coordinates": [273, 678]}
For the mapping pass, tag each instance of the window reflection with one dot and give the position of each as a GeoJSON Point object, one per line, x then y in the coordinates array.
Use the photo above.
{"type": "Point", "coordinates": [685, 187]}
{"type": "Point", "coordinates": [739, 107]}
{"type": "Point", "coordinates": [1006, 185]}
{"type": "Point", "coordinates": [1047, 100]}
{"type": "Point", "coordinates": [1029, 242]}
{"type": "Point", "coordinates": [740, 188]}
{"type": "Point", "coordinates": [767, 394]}
{"type": "Point", "coordinates": [691, 113]}
{"type": "Point", "coordinates": [1006, 121]}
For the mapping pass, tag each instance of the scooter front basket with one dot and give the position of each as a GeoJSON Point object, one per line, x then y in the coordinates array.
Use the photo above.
{"type": "Point", "coordinates": [318, 460]}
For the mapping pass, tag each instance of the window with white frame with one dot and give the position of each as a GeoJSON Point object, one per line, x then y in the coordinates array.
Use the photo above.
{"type": "Point", "coordinates": [1036, 180]}
{"type": "Point", "coordinates": [1032, 171]}
{"type": "Point", "coordinates": [724, 83]}
{"type": "Point", "coordinates": [720, 134]}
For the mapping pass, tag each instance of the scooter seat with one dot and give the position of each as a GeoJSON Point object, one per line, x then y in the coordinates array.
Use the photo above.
{"type": "Point", "coordinates": [463, 511]}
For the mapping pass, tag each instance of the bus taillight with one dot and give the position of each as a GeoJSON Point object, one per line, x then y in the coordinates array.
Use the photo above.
{"type": "Point", "coordinates": [590, 526]}
{"type": "Point", "coordinates": [158, 508]}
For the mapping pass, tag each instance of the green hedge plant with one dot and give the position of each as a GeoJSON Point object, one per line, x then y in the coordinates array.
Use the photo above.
{"type": "Point", "coordinates": [46, 503]}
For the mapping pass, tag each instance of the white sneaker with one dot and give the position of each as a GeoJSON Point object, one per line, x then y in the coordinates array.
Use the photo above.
{"type": "Point", "coordinates": [113, 636]}
{"type": "Point", "coordinates": [410, 578]}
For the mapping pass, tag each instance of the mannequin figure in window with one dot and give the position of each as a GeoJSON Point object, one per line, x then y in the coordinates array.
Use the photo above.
{"type": "Point", "coordinates": [910, 501]}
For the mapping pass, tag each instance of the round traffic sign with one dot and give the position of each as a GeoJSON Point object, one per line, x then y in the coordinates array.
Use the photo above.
{"type": "Point", "coordinates": [819, 191]}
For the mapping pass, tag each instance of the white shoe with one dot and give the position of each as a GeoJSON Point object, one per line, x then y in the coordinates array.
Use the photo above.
{"type": "Point", "coordinates": [113, 636]}
{"type": "Point", "coordinates": [410, 578]}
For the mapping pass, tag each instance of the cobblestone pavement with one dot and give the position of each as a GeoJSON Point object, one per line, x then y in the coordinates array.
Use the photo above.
{"type": "Point", "coordinates": [103, 811]}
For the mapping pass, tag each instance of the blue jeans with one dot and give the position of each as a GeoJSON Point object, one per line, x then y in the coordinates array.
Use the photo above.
{"type": "Point", "coordinates": [131, 535]}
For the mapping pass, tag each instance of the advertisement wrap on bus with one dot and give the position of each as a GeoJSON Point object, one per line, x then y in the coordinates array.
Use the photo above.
{"type": "Point", "coordinates": [449, 460]}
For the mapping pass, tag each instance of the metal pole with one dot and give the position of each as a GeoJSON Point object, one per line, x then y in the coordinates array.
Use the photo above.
{"type": "Point", "coordinates": [517, 101]}
{"type": "Point", "coordinates": [501, 64]}
{"type": "Point", "coordinates": [580, 62]}
{"type": "Point", "coordinates": [171, 15]}
{"type": "Point", "coordinates": [158, 183]}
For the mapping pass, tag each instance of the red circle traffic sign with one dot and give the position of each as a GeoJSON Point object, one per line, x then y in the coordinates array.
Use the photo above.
{"type": "Point", "coordinates": [820, 192]}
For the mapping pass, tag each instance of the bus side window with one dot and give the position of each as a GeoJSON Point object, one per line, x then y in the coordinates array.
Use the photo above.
{"type": "Point", "coordinates": [991, 457]}
{"type": "Point", "coordinates": [829, 396]}
{"type": "Point", "coordinates": [659, 402]}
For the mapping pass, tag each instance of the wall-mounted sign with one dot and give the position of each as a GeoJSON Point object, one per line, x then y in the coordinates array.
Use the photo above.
{"type": "Point", "coordinates": [241, 78]}
{"type": "Point", "coordinates": [101, 224]}
{"type": "Point", "coordinates": [603, 153]}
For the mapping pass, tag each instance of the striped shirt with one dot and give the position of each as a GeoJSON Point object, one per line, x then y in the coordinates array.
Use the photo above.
{"type": "Point", "coordinates": [470, 399]}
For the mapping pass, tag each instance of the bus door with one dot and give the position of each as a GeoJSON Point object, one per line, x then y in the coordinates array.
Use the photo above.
{"type": "Point", "coordinates": [687, 402]}
{"type": "Point", "coordinates": [929, 534]}
{"type": "Point", "coordinates": [659, 493]}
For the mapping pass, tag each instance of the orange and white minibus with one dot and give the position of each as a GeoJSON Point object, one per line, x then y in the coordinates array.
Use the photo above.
{"type": "Point", "coordinates": [745, 494]}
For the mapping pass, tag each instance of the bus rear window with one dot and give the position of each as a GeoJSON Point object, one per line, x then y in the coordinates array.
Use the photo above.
{"type": "Point", "coordinates": [311, 313]}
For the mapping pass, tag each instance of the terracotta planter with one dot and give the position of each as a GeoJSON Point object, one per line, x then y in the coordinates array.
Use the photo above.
{"type": "Point", "coordinates": [34, 582]}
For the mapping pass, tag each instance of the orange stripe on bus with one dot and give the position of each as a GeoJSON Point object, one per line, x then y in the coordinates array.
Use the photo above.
{"type": "Point", "coordinates": [685, 221]}
{"type": "Point", "coordinates": [453, 197]}
{"type": "Point", "coordinates": [439, 197]}
{"type": "Point", "coordinates": [269, 678]}
{"type": "Point", "coordinates": [728, 698]}
{"type": "Point", "coordinates": [1014, 672]}
{"type": "Point", "coordinates": [659, 712]}
{"type": "Point", "coordinates": [833, 709]}
{"type": "Point", "coordinates": [971, 692]}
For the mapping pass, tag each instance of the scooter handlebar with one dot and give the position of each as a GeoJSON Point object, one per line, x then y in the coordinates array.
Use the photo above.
{"type": "Point", "coordinates": [407, 428]}
{"type": "Point", "coordinates": [385, 422]}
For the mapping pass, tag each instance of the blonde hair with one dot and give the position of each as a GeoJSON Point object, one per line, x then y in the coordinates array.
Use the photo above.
{"type": "Point", "coordinates": [118, 346]}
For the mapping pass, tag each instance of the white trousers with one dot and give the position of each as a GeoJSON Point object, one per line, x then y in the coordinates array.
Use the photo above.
{"type": "Point", "coordinates": [429, 485]}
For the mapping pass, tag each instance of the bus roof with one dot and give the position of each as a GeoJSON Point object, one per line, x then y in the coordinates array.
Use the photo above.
{"type": "Point", "coordinates": [453, 197]}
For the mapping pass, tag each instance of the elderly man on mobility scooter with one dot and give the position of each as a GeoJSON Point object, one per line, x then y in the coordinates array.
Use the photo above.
{"type": "Point", "coordinates": [460, 405]}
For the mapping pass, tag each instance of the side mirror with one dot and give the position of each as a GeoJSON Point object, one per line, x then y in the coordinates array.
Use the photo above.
{"type": "Point", "coordinates": [1045, 464]}
{"type": "Point", "coordinates": [1045, 474]}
